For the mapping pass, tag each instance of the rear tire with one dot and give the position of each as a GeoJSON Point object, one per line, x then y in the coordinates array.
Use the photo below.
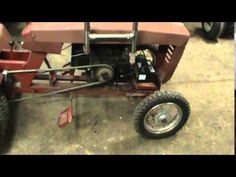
{"type": "Point", "coordinates": [213, 30]}
{"type": "Point", "coordinates": [4, 117]}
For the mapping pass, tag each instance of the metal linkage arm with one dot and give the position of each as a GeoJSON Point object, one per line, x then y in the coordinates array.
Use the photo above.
{"type": "Point", "coordinates": [134, 43]}
{"type": "Point", "coordinates": [86, 37]}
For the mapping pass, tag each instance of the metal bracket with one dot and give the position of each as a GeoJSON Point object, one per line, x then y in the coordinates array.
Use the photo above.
{"type": "Point", "coordinates": [110, 37]}
{"type": "Point", "coordinates": [5, 75]}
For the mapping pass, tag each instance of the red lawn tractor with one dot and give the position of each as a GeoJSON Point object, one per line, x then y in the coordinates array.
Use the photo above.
{"type": "Point", "coordinates": [107, 59]}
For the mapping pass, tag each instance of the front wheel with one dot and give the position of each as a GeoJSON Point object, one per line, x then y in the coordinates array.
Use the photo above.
{"type": "Point", "coordinates": [161, 115]}
{"type": "Point", "coordinates": [4, 116]}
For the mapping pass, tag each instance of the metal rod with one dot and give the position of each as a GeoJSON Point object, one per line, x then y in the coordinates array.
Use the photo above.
{"type": "Point", "coordinates": [135, 26]}
{"type": "Point", "coordinates": [49, 66]}
{"type": "Point", "coordinates": [109, 37]}
{"type": "Point", "coordinates": [134, 41]}
{"type": "Point", "coordinates": [6, 72]}
{"type": "Point", "coordinates": [47, 63]}
{"type": "Point", "coordinates": [87, 26]}
{"type": "Point", "coordinates": [86, 38]}
{"type": "Point", "coordinates": [58, 92]}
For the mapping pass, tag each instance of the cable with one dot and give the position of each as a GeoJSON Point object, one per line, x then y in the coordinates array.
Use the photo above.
{"type": "Point", "coordinates": [66, 47]}
{"type": "Point", "coordinates": [77, 55]}
{"type": "Point", "coordinates": [72, 56]}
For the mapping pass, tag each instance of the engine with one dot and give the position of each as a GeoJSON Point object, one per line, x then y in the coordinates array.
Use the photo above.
{"type": "Point", "coordinates": [116, 56]}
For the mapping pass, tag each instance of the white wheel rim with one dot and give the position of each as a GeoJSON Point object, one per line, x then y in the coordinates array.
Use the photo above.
{"type": "Point", "coordinates": [163, 118]}
{"type": "Point", "coordinates": [207, 26]}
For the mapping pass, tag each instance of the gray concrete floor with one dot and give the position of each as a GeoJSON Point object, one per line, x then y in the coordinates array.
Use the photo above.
{"type": "Point", "coordinates": [205, 76]}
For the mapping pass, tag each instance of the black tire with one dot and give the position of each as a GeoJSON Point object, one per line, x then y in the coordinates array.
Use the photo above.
{"type": "Point", "coordinates": [4, 117]}
{"type": "Point", "coordinates": [150, 102]}
{"type": "Point", "coordinates": [214, 32]}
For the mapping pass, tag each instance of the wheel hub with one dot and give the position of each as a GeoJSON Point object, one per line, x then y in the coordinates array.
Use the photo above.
{"type": "Point", "coordinates": [163, 118]}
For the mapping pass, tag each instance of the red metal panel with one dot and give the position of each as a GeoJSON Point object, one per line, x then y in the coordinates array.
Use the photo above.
{"type": "Point", "coordinates": [13, 60]}
{"type": "Point", "coordinates": [46, 47]}
{"type": "Point", "coordinates": [34, 62]}
{"type": "Point", "coordinates": [11, 64]}
{"type": "Point", "coordinates": [149, 33]}
{"type": "Point", "coordinates": [167, 68]}
{"type": "Point", "coordinates": [22, 60]}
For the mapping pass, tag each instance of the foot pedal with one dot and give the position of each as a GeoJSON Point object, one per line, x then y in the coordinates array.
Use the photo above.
{"type": "Point", "coordinates": [65, 117]}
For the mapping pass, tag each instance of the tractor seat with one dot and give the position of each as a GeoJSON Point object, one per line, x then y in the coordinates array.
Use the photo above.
{"type": "Point", "coordinates": [5, 37]}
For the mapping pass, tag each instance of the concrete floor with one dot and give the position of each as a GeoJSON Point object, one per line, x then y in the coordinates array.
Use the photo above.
{"type": "Point", "coordinates": [205, 76]}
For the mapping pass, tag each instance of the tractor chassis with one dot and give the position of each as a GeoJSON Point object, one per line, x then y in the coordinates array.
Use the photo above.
{"type": "Point", "coordinates": [153, 118]}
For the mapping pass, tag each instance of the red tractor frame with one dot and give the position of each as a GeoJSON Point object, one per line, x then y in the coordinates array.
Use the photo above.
{"type": "Point", "coordinates": [113, 59]}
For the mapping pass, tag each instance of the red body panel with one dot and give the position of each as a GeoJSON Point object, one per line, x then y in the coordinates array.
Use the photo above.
{"type": "Point", "coordinates": [22, 60]}
{"type": "Point", "coordinates": [56, 33]}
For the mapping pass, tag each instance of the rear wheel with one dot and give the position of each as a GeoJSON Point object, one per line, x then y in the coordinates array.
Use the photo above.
{"type": "Point", "coordinates": [161, 115]}
{"type": "Point", "coordinates": [4, 116]}
{"type": "Point", "coordinates": [213, 30]}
